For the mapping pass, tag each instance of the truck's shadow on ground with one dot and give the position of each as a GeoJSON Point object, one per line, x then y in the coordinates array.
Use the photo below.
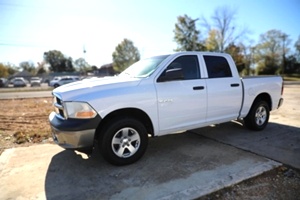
{"type": "Point", "coordinates": [278, 142]}
{"type": "Point", "coordinates": [69, 176]}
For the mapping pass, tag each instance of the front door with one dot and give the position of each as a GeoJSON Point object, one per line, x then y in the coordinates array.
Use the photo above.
{"type": "Point", "coordinates": [182, 103]}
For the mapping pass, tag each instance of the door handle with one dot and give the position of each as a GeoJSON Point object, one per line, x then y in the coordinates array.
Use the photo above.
{"type": "Point", "coordinates": [235, 85]}
{"type": "Point", "coordinates": [198, 88]}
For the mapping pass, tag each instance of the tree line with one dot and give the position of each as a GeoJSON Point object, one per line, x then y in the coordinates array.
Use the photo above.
{"type": "Point", "coordinates": [124, 55]}
{"type": "Point", "coordinates": [270, 55]}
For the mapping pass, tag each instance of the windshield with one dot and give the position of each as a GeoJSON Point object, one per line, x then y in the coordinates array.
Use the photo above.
{"type": "Point", "coordinates": [143, 68]}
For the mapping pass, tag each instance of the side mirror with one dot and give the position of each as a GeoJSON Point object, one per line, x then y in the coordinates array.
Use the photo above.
{"type": "Point", "coordinates": [171, 75]}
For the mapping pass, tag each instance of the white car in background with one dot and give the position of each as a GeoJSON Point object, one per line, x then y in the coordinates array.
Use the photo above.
{"type": "Point", "coordinates": [54, 81]}
{"type": "Point", "coordinates": [19, 82]}
{"type": "Point", "coordinates": [35, 82]}
{"type": "Point", "coordinates": [64, 80]}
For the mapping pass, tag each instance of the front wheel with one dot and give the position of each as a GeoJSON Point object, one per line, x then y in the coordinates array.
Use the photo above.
{"type": "Point", "coordinates": [123, 141]}
{"type": "Point", "coordinates": [258, 117]}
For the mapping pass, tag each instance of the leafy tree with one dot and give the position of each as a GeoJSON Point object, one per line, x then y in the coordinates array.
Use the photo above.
{"type": "Point", "coordinates": [186, 34]}
{"type": "Point", "coordinates": [58, 62]}
{"type": "Point", "coordinates": [211, 42]}
{"type": "Point", "coordinates": [12, 69]}
{"type": "Point", "coordinates": [297, 46]}
{"type": "Point", "coordinates": [3, 70]}
{"type": "Point", "coordinates": [41, 68]}
{"type": "Point", "coordinates": [41, 71]}
{"type": "Point", "coordinates": [7, 69]}
{"type": "Point", "coordinates": [222, 30]}
{"type": "Point", "coordinates": [271, 51]}
{"type": "Point", "coordinates": [28, 66]}
{"type": "Point", "coordinates": [82, 65]}
{"type": "Point", "coordinates": [94, 68]}
{"type": "Point", "coordinates": [125, 55]}
{"type": "Point", "coordinates": [292, 66]}
{"type": "Point", "coordinates": [237, 55]}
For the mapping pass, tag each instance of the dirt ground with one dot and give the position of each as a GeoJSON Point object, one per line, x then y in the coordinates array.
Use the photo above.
{"type": "Point", "coordinates": [281, 183]}
{"type": "Point", "coordinates": [25, 121]}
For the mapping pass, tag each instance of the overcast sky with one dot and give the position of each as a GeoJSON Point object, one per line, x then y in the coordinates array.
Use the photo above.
{"type": "Point", "coordinates": [29, 27]}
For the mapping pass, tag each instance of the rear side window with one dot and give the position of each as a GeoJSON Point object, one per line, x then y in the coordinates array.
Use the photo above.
{"type": "Point", "coordinates": [217, 67]}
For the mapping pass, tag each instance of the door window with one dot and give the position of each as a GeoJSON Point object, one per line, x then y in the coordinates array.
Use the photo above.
{"type": "Point", "coordinates": [217, 67]}
{"type": "Point", "coordinates": [189, 65]}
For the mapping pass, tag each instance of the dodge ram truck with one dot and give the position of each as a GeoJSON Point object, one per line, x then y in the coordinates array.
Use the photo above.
{"type": "Point", "coordinates": [157, 96]}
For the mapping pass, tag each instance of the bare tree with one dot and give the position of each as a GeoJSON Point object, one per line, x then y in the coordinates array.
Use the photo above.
{"type": "Point", "coordinates": [222, 24]}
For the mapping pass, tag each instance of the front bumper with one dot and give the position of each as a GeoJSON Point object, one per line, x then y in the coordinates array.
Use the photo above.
{"type": "Point", "coordinates": [75, 134]}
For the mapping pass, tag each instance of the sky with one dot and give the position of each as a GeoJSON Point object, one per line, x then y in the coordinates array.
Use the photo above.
{"type": "Point", "coordinates": [28, 28]}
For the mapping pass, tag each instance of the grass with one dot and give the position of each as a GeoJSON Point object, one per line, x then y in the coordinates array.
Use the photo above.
{"type": "Point", "coordinates": [285, 78]}
{"type": "Point", "coordinates": [291, 77]}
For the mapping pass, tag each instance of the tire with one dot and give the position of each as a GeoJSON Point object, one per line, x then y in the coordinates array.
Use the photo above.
{"type": "Point", "coordinates": [258, 117]}
{"type": "Point", "coordinates": [56, 85]}
{"type": "Point", "coordinates": [124, 141]}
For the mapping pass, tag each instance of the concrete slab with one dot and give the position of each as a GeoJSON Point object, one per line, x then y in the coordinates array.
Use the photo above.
{"type": "Point", "coordinates": [277, 142]}
{"type": "Point", "coordinates": [182, 166]}
{"type": "Point", "coordinates": [280, 141]}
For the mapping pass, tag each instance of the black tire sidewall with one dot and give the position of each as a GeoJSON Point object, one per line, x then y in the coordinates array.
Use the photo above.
{"type": "Point", "coordinates": [250, 120]}
{"type": "Point", "coordinates": [108, 133]}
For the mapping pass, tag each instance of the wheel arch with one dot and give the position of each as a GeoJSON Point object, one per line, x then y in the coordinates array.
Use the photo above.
{"type": "Point", "coordinates": [127, 112]}
{"type": "Point", "coordinates": [256, 119]}
{"type": "Point", "coordinates": [265, 97]}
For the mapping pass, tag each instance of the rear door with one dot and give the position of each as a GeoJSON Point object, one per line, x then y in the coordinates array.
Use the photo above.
{"type": "Point", "coordinates": [224, 90]}
{"type": "Point", "coordinates": [182, 103]}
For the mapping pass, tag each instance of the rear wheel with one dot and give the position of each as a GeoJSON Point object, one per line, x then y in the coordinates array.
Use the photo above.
{"type": "Point", "coordinates": [124, 141]}
{"type": "Point", "coordinates": [258, 117]}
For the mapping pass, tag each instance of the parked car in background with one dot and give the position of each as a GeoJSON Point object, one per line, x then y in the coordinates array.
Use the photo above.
{"type": "Point", "coordinates": [3, 82]}
{"type": "Point", "coordinates": [65, 80]}
{"type": "Point", "coordinates": [35, 82]}
{"type": "Point", "coordinates": [19, 82]}
{"type": "Point", "coordinates": [54, 81]}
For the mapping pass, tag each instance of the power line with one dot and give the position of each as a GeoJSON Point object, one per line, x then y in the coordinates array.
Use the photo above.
{"type": "Point", "coordinates": [21, 45]}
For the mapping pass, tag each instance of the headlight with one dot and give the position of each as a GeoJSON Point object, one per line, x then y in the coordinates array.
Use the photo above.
{"type": "Point", "coordinates": [79, 110]}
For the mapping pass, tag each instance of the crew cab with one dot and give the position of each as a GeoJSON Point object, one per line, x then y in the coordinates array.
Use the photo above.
{"type": "Point", "coordinates": [158, 96]}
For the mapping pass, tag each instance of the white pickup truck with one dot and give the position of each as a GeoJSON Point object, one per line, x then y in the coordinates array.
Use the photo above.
{"type": "Point", "coordinates": [158, 96]}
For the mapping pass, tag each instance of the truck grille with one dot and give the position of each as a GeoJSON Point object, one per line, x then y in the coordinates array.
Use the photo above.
{"type": "Point", "coordinates": [59, 107]}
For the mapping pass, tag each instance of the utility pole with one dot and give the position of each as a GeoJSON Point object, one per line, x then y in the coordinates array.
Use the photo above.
{"type": "Point", "coordinates": [82, 72]}
{"type": "Point", "coordinates": [84, 51]}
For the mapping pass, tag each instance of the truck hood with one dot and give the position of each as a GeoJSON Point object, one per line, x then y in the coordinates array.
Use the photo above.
{"type": "Point", "coordinates": [79, 89]}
